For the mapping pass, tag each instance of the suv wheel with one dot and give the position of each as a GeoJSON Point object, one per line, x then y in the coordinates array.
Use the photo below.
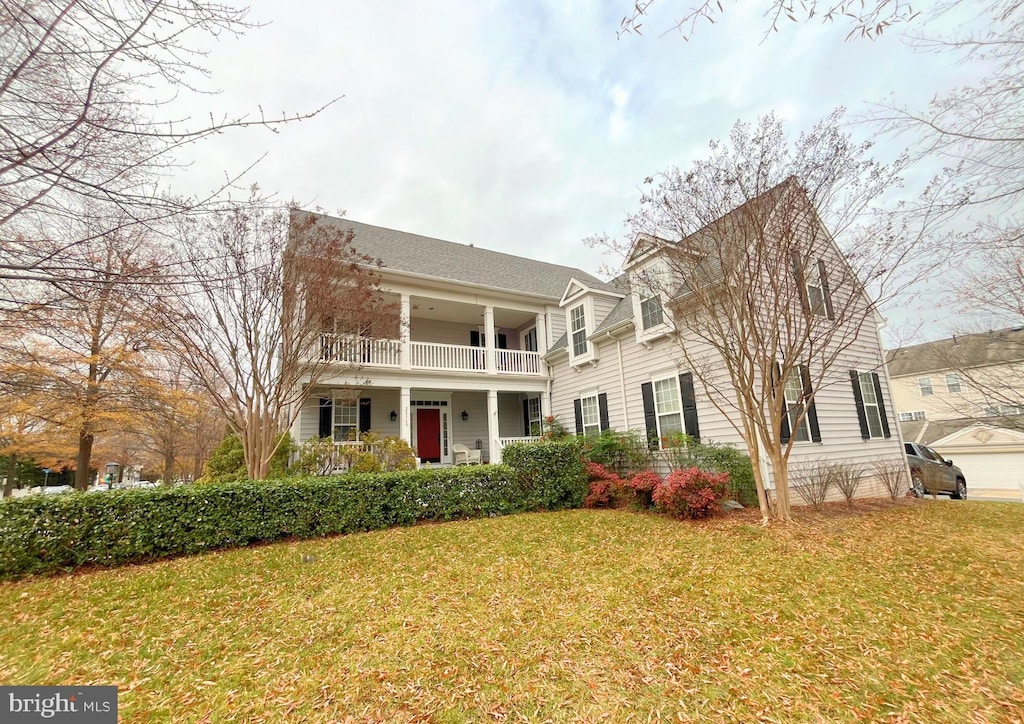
{"type": "Point", "coordinates": [961, 489]}
{"type": "Point", "coordinates": [916, 484]}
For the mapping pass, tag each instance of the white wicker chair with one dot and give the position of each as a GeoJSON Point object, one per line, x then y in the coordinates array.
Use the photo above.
{"type": "Point", "coordinates": [465, 456]}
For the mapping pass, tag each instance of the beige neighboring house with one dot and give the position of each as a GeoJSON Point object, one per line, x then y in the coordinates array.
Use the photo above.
{"type": "Point", "coordinates": [964, 396]}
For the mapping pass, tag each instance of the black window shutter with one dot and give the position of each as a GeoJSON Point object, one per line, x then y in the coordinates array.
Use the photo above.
{"type": "Point", "coordinates": [690, 423]}
{"type": "Point", "coordinates": [526, 417]}
{"type": "Point", "coordinates": [602, 406]}
{"type": "Point", "coordinates": [650, 416]}
{"type": "Point", "coordinates": [502, 341]}
{"type": "Point", "coordinates": [578, 409]}
{"type": "Point", "coordinates": [881, 405]}
{"type": "Point", "coordinates": [474, 338]}
{"type": "Point", "coordinates": [784, 433]}
{"type": "Point", "coordinates": [798, 274]}
{"type": "Point", "coordinates": [826, 293]}
{"type": "Point", "coordinates": [364, 414]}
{"type": "Point", "coordinates": [858, 400]}
{"type": "Point", "coordinates": [812, 412]}
{"type": "Point", "coordinates": [326, 416]}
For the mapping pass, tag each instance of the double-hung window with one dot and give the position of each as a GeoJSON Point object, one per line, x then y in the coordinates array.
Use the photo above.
{"type": "Point", "coordinates": [871, 405]}
{"type": "Point", "coordinates": [346, 419]}
{"type": "Point", "coordinates": [816, 291]}
{"type": "Point", "coordinates": [925, 384]}
{"type": "Point", "coordinates": [578, 329]}
{"type": "Point", "coordinates": [591, 411]}
{"type": "Point", "coordinates": [668, 406]}
{"type": "Point", "coordinates": [533, 426]}
{"type": "Point", "coordinates": [793, 391]}
{"type": "Point", "coordinates": [953, 383]}
{"type": "Point", "coordinates": [651, 313]}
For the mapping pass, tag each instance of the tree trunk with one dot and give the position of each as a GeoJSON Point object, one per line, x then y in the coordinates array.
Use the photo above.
{"type": "Point", "coordinates": [84, 460]}
{"type": "Point", "coordinates": [168, 466]}
{"type": "Point", "coordinates": [12, 469]}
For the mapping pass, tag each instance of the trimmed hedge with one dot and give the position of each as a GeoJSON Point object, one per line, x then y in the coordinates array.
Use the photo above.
{"type": "Point", "coordinates": [551, 472]}
{"type": "Point", "coordinates": [45, 533]}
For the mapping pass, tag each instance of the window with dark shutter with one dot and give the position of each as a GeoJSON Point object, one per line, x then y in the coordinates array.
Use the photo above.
{"type": "Point", "coordinates": [689, 398]}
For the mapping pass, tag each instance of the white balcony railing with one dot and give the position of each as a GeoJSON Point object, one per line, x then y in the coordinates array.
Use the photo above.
{"type": "Point", "coordinates": [454, 357]}
{"type": "Point", "coordinates": [426, 355]}
{"type": "Point", "coordinates": [518, 362]}
{"type": "Point", "coordinates": [361, 350]}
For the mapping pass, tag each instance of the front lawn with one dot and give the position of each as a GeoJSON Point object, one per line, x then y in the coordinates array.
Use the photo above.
{"type": "Point", "coordinates": [912, 613]}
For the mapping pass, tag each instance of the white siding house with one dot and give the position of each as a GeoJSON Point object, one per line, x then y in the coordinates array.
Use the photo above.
{"type": "Point", "coordinates": [493, 342]}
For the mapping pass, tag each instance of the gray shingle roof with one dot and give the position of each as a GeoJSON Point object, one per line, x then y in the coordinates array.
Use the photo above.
{"type": "Point", "coordinates": [960, 352]}
{"type": "Point", "coordinates": [928, 431]}
{"type": "Point", "coordinates": [402, 251]}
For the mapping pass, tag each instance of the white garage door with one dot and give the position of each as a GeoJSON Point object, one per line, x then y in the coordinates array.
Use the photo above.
{"type": "Point", "coordinates": [990, 471]}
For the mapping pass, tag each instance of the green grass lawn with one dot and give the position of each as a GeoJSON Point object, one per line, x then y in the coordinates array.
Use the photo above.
{"type": "Point", "coordinates": [911, 613]}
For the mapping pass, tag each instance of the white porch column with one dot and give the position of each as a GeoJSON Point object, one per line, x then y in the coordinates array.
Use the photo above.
{"type": "Point", "coordinates": [492, 426]}
{"type": "Point", "coordinates": [542, 334]}
{"type": "Point", "coordinates": [405, 415]}
{"type": "Point", "coordinates": [545, 407]}
{"type": "Point", "coordinates": [489, 338]}
{"type": "Point", "coordinates": [403, 333]}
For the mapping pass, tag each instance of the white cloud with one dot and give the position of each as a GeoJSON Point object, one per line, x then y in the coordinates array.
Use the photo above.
{"type": "Point", "coordinates": [521, 127]}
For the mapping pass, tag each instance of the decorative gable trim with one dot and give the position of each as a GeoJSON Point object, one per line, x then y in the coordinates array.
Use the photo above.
{"type": "Point", "coordinates": [576, 289]}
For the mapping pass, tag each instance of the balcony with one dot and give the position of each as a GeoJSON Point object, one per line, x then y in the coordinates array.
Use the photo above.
{"type": "Point", "coordinates": [388, 353]}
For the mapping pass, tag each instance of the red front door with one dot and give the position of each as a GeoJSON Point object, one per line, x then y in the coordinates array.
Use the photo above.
{"type": "Point", "coordinates": [428, 435]}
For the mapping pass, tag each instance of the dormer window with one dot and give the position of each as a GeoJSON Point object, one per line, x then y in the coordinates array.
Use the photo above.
{"type": "Point", "coordinates": [578, 329]}
{"type": "Point", "coordinates": [651, 313]}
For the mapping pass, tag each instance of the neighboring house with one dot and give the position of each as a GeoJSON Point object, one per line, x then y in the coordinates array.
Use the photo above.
{"type": "Point", "coordinates": [495, 342]}
{"type": "Point", "coordinates": [970, 376]}
{"type": "Point", "coordinates": [964, 396]}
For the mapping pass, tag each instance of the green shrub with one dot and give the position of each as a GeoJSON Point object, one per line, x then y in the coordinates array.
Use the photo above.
{"type": "Point", "coordinates": [45, 533]}
{"type": "Point", "coordinates": [365, 462]}
{"type": "Point", "coordinates": [551, 472]}
{"type": "Point", "coordinates": [623, 453]}
{"type": "Point", "coordinates": [227, 461]}
{"type": "Point", "coordinates": [394, 453]}
{"type": "Point", "coordinates": [316, 457]}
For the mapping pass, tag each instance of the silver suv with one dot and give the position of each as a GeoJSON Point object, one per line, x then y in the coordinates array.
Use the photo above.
{"type": "Point", "coordinates": [930, 470]}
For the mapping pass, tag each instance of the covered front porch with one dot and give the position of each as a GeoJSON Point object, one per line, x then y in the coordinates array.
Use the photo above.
{"type": "Point", "coordinates": [432, 421]}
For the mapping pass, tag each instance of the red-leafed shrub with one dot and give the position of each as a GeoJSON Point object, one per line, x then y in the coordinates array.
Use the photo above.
{"type": "Point", "coordinates": [606, 487]}
{"type": "Point", "coordinates": [643, 486]}
{"type": "Point", "coordinates": [691, 493]}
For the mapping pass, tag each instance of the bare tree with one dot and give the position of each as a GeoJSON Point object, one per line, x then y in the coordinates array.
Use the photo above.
{"type": "Point", "coordinates": [763, 304]}
{"type": "Point", "coordinates": [865, 19]}
{"type": "Point", "coordinates": [263, 288]}
{"type": "Point", "coordinates": [87, 90]}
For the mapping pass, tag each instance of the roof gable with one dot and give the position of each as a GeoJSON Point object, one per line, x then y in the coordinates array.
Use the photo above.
{"type": "Point", "coordinates": [578, 288]}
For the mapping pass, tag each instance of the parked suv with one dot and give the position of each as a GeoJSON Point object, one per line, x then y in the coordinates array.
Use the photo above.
{"type": "Point", "coordinates": [926, 464]}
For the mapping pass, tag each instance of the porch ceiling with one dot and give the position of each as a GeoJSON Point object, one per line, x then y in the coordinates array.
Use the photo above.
{"type": "Point", "coordinates": [461, 313]}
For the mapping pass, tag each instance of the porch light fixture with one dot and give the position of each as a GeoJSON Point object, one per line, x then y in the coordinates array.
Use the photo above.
{"type": "Point", "coordinates": [465, 415]}
{"type": "Point", "coordinates": [393, 416]}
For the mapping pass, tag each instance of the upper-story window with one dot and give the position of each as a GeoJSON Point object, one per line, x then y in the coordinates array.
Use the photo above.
{"type": "Point", "coordinates": [925, 383]}
{"type": "Point", "coordinates": [578, 329]}
{"type": "Point", "coordinates": [651, 313]}
{"type": "Point", "coordinates": [953, 383]}
{"type": "Point", "coordinates": [794, 394]}
{"type": "Point", "coordinates": [815, 291]}
{"type": "Point", "coordinates": [530, 340]}
{"type": "Point", "coordinates": [912, 416]}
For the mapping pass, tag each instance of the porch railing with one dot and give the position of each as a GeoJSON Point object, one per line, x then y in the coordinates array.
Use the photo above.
{"type": "Point", "coordinates": [425, 355]}
{"type": "Point", "coordinates": [503, 441]}
{"type": "Point", "coordinates": [361, 350]}
{"type": "Point", "coordinates": [518, 361]}
{"type": "Point", "coordinates": [455, 357]}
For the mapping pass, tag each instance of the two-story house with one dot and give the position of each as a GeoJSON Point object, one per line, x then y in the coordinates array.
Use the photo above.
{"type": "Point", "coordinates": [493, 343]}
{"type": "Point", "coordinates": [964, 396]}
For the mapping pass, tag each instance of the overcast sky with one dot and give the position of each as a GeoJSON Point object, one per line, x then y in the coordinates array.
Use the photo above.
{"type": "Point", "coordinates": [521, 126]}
